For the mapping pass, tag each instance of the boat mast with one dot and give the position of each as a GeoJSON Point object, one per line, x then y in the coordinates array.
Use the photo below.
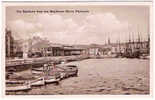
{"type": "Point", "coordinates": [133, 42]}
{"type": "Point", "coordinates": [119, 44]}
{"type": "Point", "coordinates": [148, 47]}
{"type": "Point", "coordinates": [129, 41]}
{"type": "Point", "coordinates": [138, 42]}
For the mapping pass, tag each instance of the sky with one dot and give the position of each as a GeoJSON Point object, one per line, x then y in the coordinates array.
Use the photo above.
{"type": "Point", "coordinates": [95, 25]}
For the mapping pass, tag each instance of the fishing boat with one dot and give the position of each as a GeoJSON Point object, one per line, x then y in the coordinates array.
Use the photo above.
{"type": "Point", "coordinates": [38, 82]}
{"type": "Point", "coordinates": [18, 88]}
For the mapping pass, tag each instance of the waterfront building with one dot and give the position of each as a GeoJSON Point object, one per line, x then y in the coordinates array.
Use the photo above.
{"type": "Point", "coordinates": [62, 50]}
{"type": "Point", "coordinates": [38, 47]}
{"type": "Point", "coordinates": [18, 50]}
{"type": "Point", "coordinates": [72, 50]}
{"type": "Point", "coordinates": [25, 47]}
{"type": "Point", "coordinates": [94, 50]}
{"type": "Point", "coordinates": [9, 41]}
{"type": "Point", "coordinates": [56, 50]}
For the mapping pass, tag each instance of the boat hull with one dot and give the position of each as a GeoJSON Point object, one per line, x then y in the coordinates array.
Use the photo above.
{"type": "Point", "coordinates": [52, 80]}
{"type": "Point", "coordinates": [18, 88]}
{"type": "Point", "coordinates": [38, 83]}
{"type": "Point", "coordinates": [36, 72]}
{"type": "Point", "coordinates": [14, 82]}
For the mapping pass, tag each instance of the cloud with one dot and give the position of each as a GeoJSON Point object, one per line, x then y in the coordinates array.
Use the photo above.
{"type": "Point", "coordinates": [51, 22]}
{"type": "Point", "coordinates": [22, 29]}
{"type": "Point", "coordinates": [57, 28]}
{"type": "Point", "coordinates": [106, 22]}
{"type": "Point", "coordinates": [100, 26]}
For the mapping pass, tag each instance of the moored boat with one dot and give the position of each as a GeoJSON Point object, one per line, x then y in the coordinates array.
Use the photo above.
{"type": "Point", "coordinates": [36, 72]}
{"type": "Point", "coordinates": [51, 80]}
{"type": "Point", "coordinates": [38, 82]}
{"type": "Point", "coordinates": [38, 69]}
{"type": "Point", "coordinates": [144, 57]}
{"type": "Point", "coordinates": [14, 82]}
{"type": "Point", "coordinates": [62, 75]}
{"type": "Point", "coordinates": [18, 88]}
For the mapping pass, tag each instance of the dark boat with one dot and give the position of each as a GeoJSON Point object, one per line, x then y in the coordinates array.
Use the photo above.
{"type": "Point", "coordinates": [14, 82]}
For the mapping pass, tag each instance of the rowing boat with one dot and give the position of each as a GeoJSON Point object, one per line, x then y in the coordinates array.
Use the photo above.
{"type": "Point", "coordinates": [38, 69]}
{"type": "Point", "coordinates": [14, 82]}
{"type": "Point", "coordinates": [18, 88]}
{"type": "Point", "coordinates": [36, 72]}
{"type": "Point", "coordinates": [38, 82]}
{"type": "Point", "coordinates": [51, 80]}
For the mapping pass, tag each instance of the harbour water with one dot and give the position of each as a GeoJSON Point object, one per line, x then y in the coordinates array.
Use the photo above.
{"type": "Point", "coordinates": [102, 76]}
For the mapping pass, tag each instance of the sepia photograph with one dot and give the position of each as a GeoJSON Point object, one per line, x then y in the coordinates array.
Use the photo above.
{"type": "Point", "coordinates": [77, 49]}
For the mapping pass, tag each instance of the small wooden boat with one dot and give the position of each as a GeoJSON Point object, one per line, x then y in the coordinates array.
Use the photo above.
{"type": "Point", "coordinates": [51, 80]}
{"type": "Point", "coordinates": [62, 75]}
{"type": "Point", "coordinates": [147, 57]}
{"type": "Point", "coordinates": [144, 57]}
{"type": "Point", "coordinates": [38, 82]}
{"type": "Point", "coordinates": [67, 71]}
{"type": "Point", "coordinates": [38, 69]}
{"type": "Point", "coordinates": [14, 82]}
{"type": "Point", "coordinates": [36, 72]}
{"type": "Point", "coordinates": [18, 88]}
